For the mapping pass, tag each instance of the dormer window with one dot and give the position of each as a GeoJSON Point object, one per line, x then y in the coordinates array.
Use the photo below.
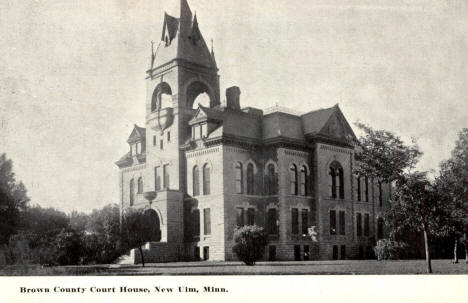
{"type": "Point", "coordinates": [135, 149]}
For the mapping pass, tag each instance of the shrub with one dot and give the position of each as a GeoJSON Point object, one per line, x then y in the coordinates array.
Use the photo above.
{"type": "Point", "coordinates": [389, 250]}
{"type": "Point", "coordinates": [250, 243]}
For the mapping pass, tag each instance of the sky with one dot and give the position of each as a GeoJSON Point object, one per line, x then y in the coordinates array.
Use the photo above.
{"type": "Point", "coordinates": [72, 76]}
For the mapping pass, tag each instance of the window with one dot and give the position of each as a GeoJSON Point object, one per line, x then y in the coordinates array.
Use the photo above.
{"type": "Point", "coordinates": [271, 180]}
{"type": "Point", "coordinates": [157, 178]}
{"type": "Point", "coordinates": [161, 144]}
{"type": "Point", "coordinates": [343, 252]}
{"type": "Point", "coordinates": [138, 148]}
{"type": "Point", "coordinates": [196, 222]}
{"type": "Point", "coordinates": [336, 180]}
{"type": "Point", "coordinates": [380, 228]}
{"type": "Point", "coordinates": [342, 222]}
{"type": "Point", "coordinates": [272, 222]}
{"type": "Point", "coordinates": [295, 221]}
{"type": "Point", "coordinates": [196, 132]}
{"type": "Point", "coordinates": [358, 180]}
{"type": "Point", "coordinates": [140, 185]}
{"type": "Point", "coordinates": [366, 189]}
{"type": "Point", "coordinates": [239, 178]}
{"type": "Point", "coordinates": [303, 181]}
{"type": "Point", "coordinates": [380, 193]}
{"type": "Point", "coordinates": [168, 136]}
{"type": "Point", "coordinates": [251, 216]}
{"type": "Point", "coordinates": [132, 192]}
{"type": "Point", "coordinates": [366, 225]}
{"type": "Point", "coordinates": [203, 130]}
{"type": "Point", "coordinates": [154, 141]}
{"type": "Point", "coordinates": [240, 217]}
{"type": "Point", "coordinates": [132, 150]}
{"type": "Point", "coordinates": [293, 178]}
{"type": "Point", "coordinates": [165, 176]}
{"type": "Point", "coordinates": [207, 221]}
{"type": "Point", "coordinates": [359, 224]}
{"type": "Point", "coordinates": [250, 179]}
{"type": "Point", "coordinates": [206, 179]}
{"type": "Point", "coordinates": [196, 181]}
{"type": "Point", "coordinates": [196, 253]}
{"type": "Point", "coordinates": [305, 221]}
{"type": "Point", "coordinates": [332, 222]}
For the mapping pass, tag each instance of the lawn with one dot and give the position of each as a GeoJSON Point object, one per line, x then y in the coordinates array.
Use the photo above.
{"type": "Point", "coordinates": [345, 267]}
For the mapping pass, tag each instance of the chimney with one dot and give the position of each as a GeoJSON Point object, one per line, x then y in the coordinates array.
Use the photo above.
{"type": "Point", "coordinates": [232, 97]}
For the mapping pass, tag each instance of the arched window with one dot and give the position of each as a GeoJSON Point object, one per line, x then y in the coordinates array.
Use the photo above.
{"type": "Point", "coordinates": [196, 181]}
{"type": "Point", "coordinates": [132, 192]}
{"type": "Point", "coordinates": [336, 180]}
{"type": "Point", "coordinates": [303, 181]}
{"type": "Point", "coordinates": [161, 97]}
{"type": "Point", "coordinates": [140, 185]}
{"type": "Point", "coordinates": [271, 180]}
{"type": "Point", "coordinates": [380, 228]}
{"type": "Point", "coordinates": [206, 179]}
{"type": "Point", "coordinates": [250, 179]}
{"type": "Point", "coordinates": [239, 178]}
{"type": "Point", "coordinates": [293, 178]}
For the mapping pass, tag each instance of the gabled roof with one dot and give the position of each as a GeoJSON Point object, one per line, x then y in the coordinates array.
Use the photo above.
{"type": "Point", "coordinates": [138, 134]}
{"type": "Point", "coordinates": [205, 113]}
{"type": "Point", "coordinates": [314, 121]}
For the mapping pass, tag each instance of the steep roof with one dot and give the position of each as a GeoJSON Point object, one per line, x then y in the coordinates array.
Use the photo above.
{"type": "Point", "coordinates": [314, 121]}
{"type": "Point", "coordinates": [138, 134]}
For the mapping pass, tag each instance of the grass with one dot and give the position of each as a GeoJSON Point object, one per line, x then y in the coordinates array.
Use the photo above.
{"type": "Point", "coordinates": [345, 267]}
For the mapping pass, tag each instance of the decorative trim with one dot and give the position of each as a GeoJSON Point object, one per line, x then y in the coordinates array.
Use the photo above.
{"type": "Point", "coordinates": [134, 168]}
{"type": "Point", "coordinates": [296, 153]}
{"type": "Point", "coordinates": [336, 149]}
{"type": "Point", "coordinates": [193, 154]}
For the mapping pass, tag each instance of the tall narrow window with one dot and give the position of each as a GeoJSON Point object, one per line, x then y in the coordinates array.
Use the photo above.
{"type": "Point", "coordinates": [165, 176]}
{"type": "Point", "coordinates": [366, 189]}
{"type": "Point", "coordinates": [342, 223]}
{"type": "Point", "coordinates": [359, 224]}
{"type": "Point", "coordinates": [332, 182]}
{"type": "Point", "coordinates": [293, 179]}
{"type": "Point", "coordinates": [196, 181]}
{"type": "Point", "coordinates": [271, 180]}
{"type": "Point", "coordinates": [303, 181]}
{"type": "Point", "coordinates": [206, 179]}
{"type": "Point", "coordinates": [272, 222]}
{"type": "Point", "coordinates": [358, 180]}
{"type": "Point", "coordinates": [380, 228]}
{"type": "Point", "coordinates": [305, 221]}
{"type": "Point", "coordinates": [155, 142]}
{"type": "Point", "coordinates": [140, 185]}
{"type": "Point", "coordinates": [138, 148]}
{"type": "Point", "coordinates": [250, 179]}
{"type": "Point", "coordinates": [157, 178]}
{"type": "Point", "coordinates": [168, 136]}
{"type": "Point", "coordinates": [251, 216]}
{"type": "Point", "coordinates": [239, 178]}
{"type": "Point", "coordinates": [132, 192]}
{"type": "Point", "coordinates": [207, 221]}
{"type": "Point", "coordinates": [343, 252]}
{"type": "Point", "coordinates": [380, 194]}
{"type": "Point", "coordinates": [240, 216]}
{"type": "Point", "coordinates": [295, 221]}
{"type": "Point", "coordinates": [339, 173]}
{"type": "Point", "coordinates": [332, 222]}
{"type": "Point", "coordinates": [196, 222]}
{"type": "Point", "coordinates": [161, 144]}
{"type": "Point", "coordinates": [366, 225]}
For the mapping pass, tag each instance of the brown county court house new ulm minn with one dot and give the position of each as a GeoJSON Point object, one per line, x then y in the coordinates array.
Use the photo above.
{"type": "Point", "coordinates": [220, 166]}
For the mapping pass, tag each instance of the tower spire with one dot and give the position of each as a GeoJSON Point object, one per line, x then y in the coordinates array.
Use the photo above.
{"type": "Point", "coordinates": [185, 18]}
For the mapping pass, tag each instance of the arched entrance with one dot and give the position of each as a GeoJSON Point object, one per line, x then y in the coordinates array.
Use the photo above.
{"type": "Point", "coordinates": [151, 220]}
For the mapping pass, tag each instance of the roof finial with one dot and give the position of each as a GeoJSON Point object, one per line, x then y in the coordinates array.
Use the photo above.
{"type": "Point", "coordinates": [212, 46]}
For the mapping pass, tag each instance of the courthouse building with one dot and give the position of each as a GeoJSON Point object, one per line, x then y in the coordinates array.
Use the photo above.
{"type": "Point", "coordinates": [219, 166]}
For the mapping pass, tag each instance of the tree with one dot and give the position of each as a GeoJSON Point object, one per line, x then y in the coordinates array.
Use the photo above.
{"type": "Point", "coordinates": [452, 186]}
{"type": "Point", "coordinates": [250, 243]}
{"type": "Point", "coordinates": [383, 155]}
{"type": "Point", "coordinates": [415, 205]}
{"type": "Point", "coordinates": [13, 200]}
{"type": "Point", "coordinates": [137, 229]}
